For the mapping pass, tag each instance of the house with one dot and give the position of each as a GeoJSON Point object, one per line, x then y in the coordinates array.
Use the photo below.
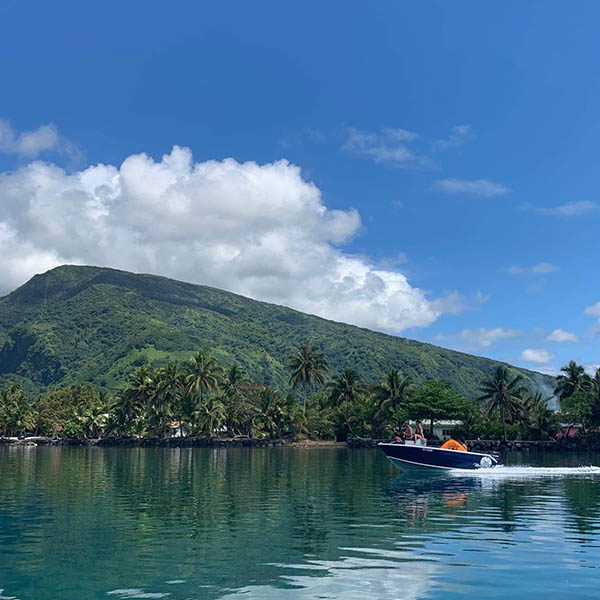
{"type": "Point", "coordinates": [568, 430]}
{"type": "Point", "coordinates": [443, 430]}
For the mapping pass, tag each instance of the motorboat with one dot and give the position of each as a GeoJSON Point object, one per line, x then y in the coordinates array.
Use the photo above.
{"type": "Point", "coordinates": [408, 455]}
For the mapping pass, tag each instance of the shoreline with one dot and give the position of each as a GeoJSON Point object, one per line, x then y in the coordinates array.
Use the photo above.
{"type": "Point", "coordinates": [589, 442]}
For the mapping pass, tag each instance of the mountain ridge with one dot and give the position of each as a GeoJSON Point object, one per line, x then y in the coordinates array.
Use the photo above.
{"type": "Point", "coordinates": [85, 323]}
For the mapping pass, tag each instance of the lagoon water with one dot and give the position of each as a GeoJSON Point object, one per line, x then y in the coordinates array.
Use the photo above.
{"type": "Point", "coordinates": [82, 523]}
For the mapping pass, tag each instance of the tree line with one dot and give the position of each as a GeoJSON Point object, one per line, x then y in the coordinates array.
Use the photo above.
{"type": "Point", "coordinates": [201, 398]}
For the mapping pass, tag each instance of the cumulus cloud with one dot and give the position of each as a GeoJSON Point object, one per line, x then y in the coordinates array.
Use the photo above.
{"type": "Point", "coordinates": [537, 356]}
{"type": "Point", "coordinates": [30, 144]}
{"type": "Point", "coordinates": [561, 335]}
{"type": "Point", "coordinates": [258, 230]}
{"type": "Point", "coordinates": [483, 188]}
{"type": "Point", "coordinates": [458, 136]}
{"type": "Point", "coordinates": [479, 339]}
{"type": "Point", "coordinates": [387, 146]}
{"type": "Point", "coordinates": [542, 268]}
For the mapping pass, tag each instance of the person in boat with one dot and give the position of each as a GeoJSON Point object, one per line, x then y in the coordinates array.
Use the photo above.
{"type": "Point", "coordinates": [407, 431]}
{"type": "Point", "coordinates": [419, 433]}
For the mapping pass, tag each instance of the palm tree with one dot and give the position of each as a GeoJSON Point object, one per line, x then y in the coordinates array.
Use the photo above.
{"type": "Point", "coordinates": [204, 376]}
{"type": "Point", "coordinates": [210, 415]}
{"type": "Point", "coordinates": [269, 415]}
{"type": "Point", "coordinates": [307, 366]}
{"type": "Point", "coordinates": [236, 395]}
{"type": "Point", "coordinates": [537, 415]}
{"type": "Point", "coordinates": [595, 386]}
{"type": "Point", "coordinates": [574, 380]}
{"type": "Point", "coordinates": [170, 387]}
{"type": "Point", "coordinates": [391, 393]}
{"type": "Point", "coordinates": [345, 388]}
{"type": "Point", "coordinates": [16, 409]}
{"type": "Point", "coordinates": [502, 394]}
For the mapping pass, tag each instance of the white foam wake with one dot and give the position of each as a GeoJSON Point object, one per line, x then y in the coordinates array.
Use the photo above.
{"type": "Point", "coordinates": [523, 472]}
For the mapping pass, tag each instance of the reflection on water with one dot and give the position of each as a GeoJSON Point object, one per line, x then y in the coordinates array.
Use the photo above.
{"type": "Point", "coordinates": [329, 523]}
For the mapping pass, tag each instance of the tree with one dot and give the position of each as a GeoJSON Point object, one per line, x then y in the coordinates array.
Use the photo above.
{"type": "Point", "coordinates": [204, 376]}
{"type": "Point", "coordinates": [574, 380]}
{"type": "Point", "coordinates": [170, 388]}
{"type": "Point", "coordinates": [391, 393]}
{"type": "Point", "coordinates": [541, 421]}
{"type": "Point", "coordinates": [137, 396]}
{"type": "Point", "coordinates": [15, 410]}
{"type": "Point", "coordinates": [307, 366]}
{"type": "Point", "coordinates": [345, 387]}
{"type": "Point", "coordinates": [502, 394]}
{"type": "Point", "coordinates": [436, 400]}
{"type": "Point", "coordinates": [236, 400]}
{"type": "Point", "coordinates": [210, 415]}
{"type": "Point", "coordinates": [269, 412]}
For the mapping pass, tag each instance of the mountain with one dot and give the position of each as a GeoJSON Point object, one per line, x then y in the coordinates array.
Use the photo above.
{"type": "Point", "coordinates": [94, 324]}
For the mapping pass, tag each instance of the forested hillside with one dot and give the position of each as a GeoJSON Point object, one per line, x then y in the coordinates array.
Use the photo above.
{"type": "Point", "coordinates": [91, 324]}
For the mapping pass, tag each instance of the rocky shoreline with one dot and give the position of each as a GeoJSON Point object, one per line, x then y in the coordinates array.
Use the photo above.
{"type": "Point", "coordinates": [175, 442]}
{"type": "Point", "coordinates": [589, 442]}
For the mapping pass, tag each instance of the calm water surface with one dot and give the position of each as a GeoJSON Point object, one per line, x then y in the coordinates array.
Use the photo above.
{"type": "Point", "coordinates": [291, 523]}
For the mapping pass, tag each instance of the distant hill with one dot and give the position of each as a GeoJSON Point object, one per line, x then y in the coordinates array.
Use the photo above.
{"type": "Point", "coordinates": [93, 324]}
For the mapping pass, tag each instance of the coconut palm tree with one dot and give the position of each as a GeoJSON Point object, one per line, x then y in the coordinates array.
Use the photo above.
{"type": "Point", "coordinates": [574, 380]}
{"type": "Point", "coordinates": [502, 394]}
{"type": "Point", "coordinates": [204, 376]}
{"type": "Point", "coordinates": [210, 415]}
{"type": "Point", "coordinates": [170, 387]}
{"type": "Point", "coordinates": [391, 393]}
{"type": "Point", "coordinates": [307, 366]}
{"type": "Point", "coordinates": [537, 415]}
{"type": "Point", "coordinates": [16, 410]}
{"type": "Point", "coordinates": [269, 411]}
{"type": "Point", "coordinates": [595, 386]}
{"type": "Point", "coordinates": [236, 394]}
{"type": "Point", "coordinates": [345, 387]}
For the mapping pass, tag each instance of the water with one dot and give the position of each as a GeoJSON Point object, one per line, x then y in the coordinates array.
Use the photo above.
{"type": "Point", "coordinates": [292, 523]}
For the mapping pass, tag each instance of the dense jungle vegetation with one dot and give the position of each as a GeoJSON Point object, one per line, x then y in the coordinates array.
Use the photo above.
{"type": "Point", "coordinates": [201, 397]}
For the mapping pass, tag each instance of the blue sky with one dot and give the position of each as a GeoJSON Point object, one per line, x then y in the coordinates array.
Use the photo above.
{"type": "Point", "coordinates": [446, 153]}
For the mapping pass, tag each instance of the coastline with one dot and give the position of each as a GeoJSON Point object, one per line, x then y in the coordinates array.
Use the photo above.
{"type": "Point", "coordinates": [588, 442]}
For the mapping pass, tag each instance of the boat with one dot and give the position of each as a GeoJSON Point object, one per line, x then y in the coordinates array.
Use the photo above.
{"type": "Point", "coordinates": [408, 455]}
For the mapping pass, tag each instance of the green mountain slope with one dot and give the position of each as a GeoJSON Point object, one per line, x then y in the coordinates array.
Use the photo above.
{"type": "Point", "coordinates": [94, 324]}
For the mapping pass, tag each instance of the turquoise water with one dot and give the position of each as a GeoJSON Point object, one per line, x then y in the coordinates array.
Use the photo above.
{"type": "Point", "coordinates": [291, 523]}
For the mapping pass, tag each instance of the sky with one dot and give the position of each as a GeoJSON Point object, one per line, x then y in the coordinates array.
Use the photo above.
{"type": "Point", "coordinates": [425, 169]}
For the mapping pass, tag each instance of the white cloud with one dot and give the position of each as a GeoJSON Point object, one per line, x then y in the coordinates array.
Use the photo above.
{"type": "Point", "coordinates": [30, 144]}
{"type": "Point", "coordinates": [454, 303]}
{"type": "Point", "coordinates": [542, 268]}
{"type": "Point", "coordinates": [593, 310]}
{"type": "Point", "coordinates": [561, 335]}
{"type": "Point", "coordinates": [472, 187]}
{"type": "Point", "coordinates": [537, 356]}
{"type": "Point", "coordinates": [478, 339]}
{"type": "Point", "coordinates": [388, 146]}
{"type": "Point", "coordinates": [258, 230]}
{"type": "Point", "coordinates": [570, 209]}
{"type": "Point", "coordinates": [458, 136]}
{"type": "Point", "coordinates": [591, 368]}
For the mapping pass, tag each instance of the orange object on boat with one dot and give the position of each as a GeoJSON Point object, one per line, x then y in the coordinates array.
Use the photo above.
{"type": "Point", "coordinates": [453, 445]}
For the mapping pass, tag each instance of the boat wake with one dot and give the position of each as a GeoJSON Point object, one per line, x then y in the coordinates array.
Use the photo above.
{"type": "Point", "coordinates": [524, 472]}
